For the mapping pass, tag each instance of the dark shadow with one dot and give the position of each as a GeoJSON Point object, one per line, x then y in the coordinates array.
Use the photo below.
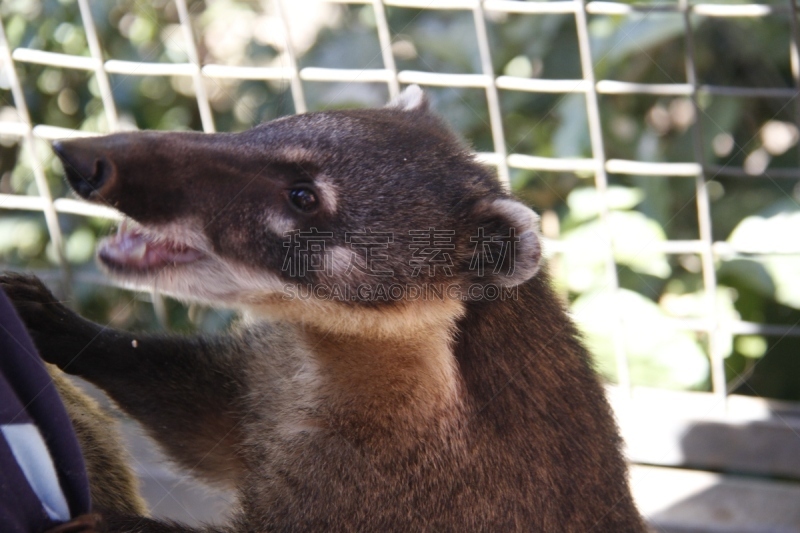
{"type": "Point", "coordinates": [742, 478]}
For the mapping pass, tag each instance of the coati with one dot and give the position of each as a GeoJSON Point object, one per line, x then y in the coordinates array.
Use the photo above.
{"type": "Point", "coordinates": [401, 364]}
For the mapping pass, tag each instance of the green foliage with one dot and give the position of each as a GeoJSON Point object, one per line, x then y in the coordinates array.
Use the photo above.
{"type": "Point", "coordinates": [773, 276]}
{"type": "Point", "coordinates": [757, 134]}
{"type": "Point", "coordinates": [659, 354]}
{"type": "Point", "coordinates": [586, 238]}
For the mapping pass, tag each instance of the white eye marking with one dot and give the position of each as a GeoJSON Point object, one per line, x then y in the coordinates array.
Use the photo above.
{"type": "Point", "coordinates": [278, 223]}
{"type": "Point", "coordinates": [327, 191]}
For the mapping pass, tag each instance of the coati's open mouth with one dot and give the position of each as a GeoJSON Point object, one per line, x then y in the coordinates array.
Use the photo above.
{"type": "Point", "coordinates": [134, 248]}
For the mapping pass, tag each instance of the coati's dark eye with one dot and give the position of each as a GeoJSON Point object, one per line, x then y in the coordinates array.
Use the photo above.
{"type": "Point", "coordinates": [303, 199]}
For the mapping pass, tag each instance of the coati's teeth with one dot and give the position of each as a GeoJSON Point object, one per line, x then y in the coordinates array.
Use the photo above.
{"type": "Point", "coordinates": [137, 251]}
{"type": "Point", "coordinates": [134, 247]}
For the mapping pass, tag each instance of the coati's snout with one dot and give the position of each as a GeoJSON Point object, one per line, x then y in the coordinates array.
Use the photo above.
{"type": "Point", "coordinates": [86, 168]}
{"type": "Point", "coordinates": [144, 175]}
{"type": "Point", "coordinates": [177, 191]}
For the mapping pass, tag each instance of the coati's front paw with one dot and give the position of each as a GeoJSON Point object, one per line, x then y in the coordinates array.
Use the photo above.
{"type": "Point", "coordinates": [59, 333]}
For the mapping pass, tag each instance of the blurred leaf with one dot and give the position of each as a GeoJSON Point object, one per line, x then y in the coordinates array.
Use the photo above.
{"type": "Point", "coordinates": [572, 135]}
{"type": "Point", "coordinates": [775, 228]}
{"type": "Point", "coordinates": [520, 67]}
{"type": "Point", "coordinates": [613, 41]}
{"type": "Point", "coordinates": [659, 354]}
{"type": "Point", "coordinates": [583, 263]}
{"type": "Point", "coordinates": [749, 273]}
{"type": "Point", "coordinates": [752, 346]}
{"type": "Point", "coordinates": [584, 203]}
{"type": "Point", "coordinates": [20, 235]}
{"type": "Point", "coordinates": [696, 305]}
{"type": "Point", "coordinates": [633, 237]}
{"type": "Point", "coordinates": [80, 246]}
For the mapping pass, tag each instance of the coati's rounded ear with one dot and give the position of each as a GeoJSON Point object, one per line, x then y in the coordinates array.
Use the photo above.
{"type": "Point", "coordinates": [507, 245]}
{"type": "Point", "coordinates": [411, 99]}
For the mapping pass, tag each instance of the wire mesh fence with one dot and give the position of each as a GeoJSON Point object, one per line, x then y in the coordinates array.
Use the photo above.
{"type": "Point", "coordinates": [201, 78]}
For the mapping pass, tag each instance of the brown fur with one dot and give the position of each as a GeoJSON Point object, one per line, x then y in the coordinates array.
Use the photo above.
{"type": "Point", "coordinates": [114, 487]}
{"type": "Point", "coordinates": [456, 414]}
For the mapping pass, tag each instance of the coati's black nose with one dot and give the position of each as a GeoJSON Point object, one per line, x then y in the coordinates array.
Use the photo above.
{"type": "Point", "coordinates": [86, 169]}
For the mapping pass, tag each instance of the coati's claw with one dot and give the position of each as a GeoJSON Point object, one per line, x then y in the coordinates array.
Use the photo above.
{"type": "Point", "coordinates": [31, 298]}
{"type": "Point", "coordinates": [56, 330]}
{"type": "Point", "coordinates": [25, 288]}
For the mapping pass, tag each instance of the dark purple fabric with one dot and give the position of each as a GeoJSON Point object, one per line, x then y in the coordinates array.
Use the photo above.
{"type": "Point", "coordinates": [20, 510]}
{"type": "Point", "coordinates": [27, 394]}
